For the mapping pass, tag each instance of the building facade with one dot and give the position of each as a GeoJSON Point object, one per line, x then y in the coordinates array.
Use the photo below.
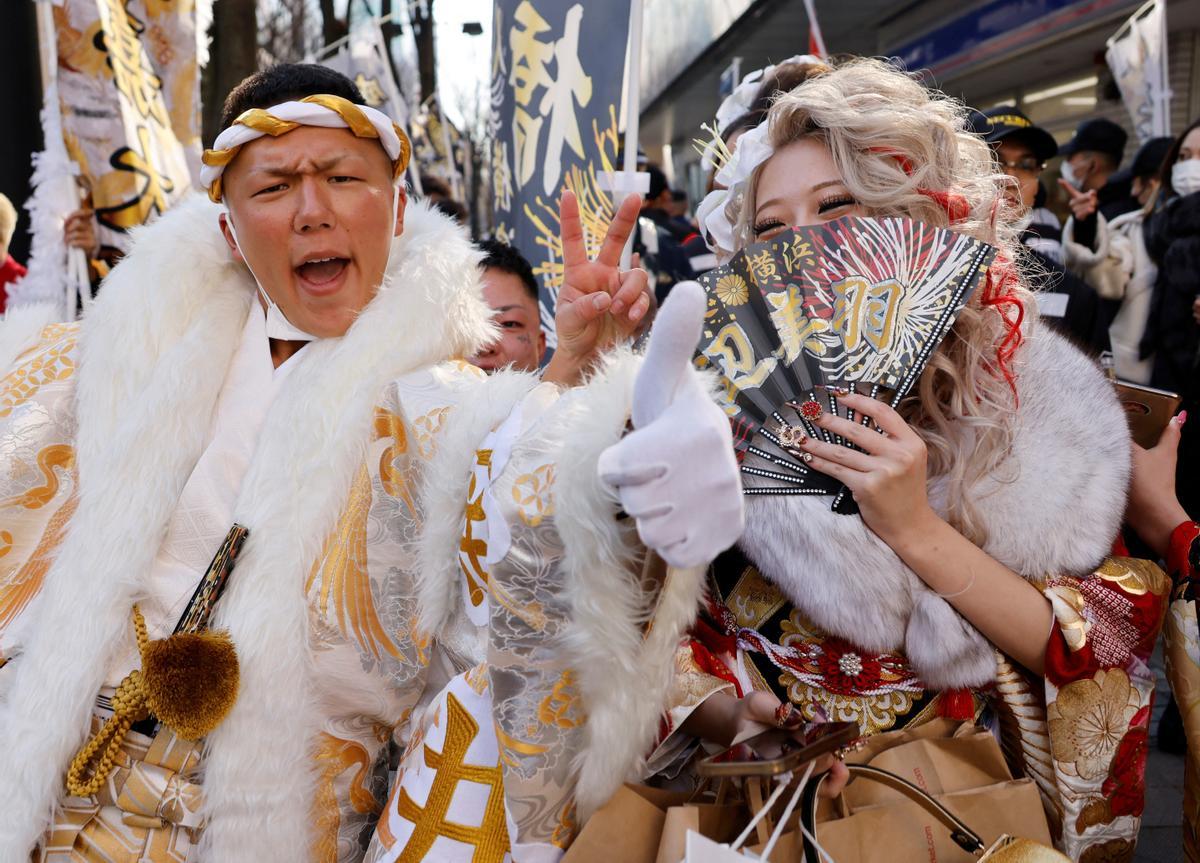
{"type": "Point", "coordinates": [1046, 56]}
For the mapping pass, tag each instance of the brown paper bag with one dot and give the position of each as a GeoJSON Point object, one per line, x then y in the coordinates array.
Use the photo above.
{"type": "Point", "coordinates": [721, 822]}
{"type": "Point", "coordinates": [958, 763]}
{"type": "Point", "coordinates": [626, 828]}
{"type": "Point", "coordinates": [935, 765]}
{"type": "Point", "coordinates": [935, 729]}
{"type": "Point", "coordinates": [904, 831]}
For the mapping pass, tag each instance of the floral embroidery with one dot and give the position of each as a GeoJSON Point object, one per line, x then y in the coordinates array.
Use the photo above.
{"type": "Point", "coordinates": [846, 670]}
{"type": "Point", "coordinates": [1088, 720]}
{"type": "Point", "coordinates": [533, 493]}
{"type": "Point", "coordinates": [1125, 786]}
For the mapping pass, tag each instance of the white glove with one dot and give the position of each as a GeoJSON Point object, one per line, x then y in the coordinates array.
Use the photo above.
{"type": "Point", "coordinates": [677, 474]}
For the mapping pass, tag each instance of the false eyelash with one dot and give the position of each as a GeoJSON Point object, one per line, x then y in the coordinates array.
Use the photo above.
{"type": "Point", "coordinates": [767, 225]}
{"type": "Point", "coordinates": [835, 201]}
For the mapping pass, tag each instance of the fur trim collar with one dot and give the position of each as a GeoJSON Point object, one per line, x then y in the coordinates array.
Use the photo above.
{"type": "Point", "coordinates": [628, 611]}
{"type": "Point", "coordinates": [154, 351]}
{"type": "Point", "coordinates": [1052, 507]}
{"type": "Point", "coordinates": [20, 328]}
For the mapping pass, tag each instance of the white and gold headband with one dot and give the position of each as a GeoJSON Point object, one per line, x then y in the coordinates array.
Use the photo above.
{"type": "Point", "coordinates": [332, 112]}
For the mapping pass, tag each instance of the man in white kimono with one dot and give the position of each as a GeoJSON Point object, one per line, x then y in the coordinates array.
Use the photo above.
{"type": "Point", "coordinates": [283, 364]}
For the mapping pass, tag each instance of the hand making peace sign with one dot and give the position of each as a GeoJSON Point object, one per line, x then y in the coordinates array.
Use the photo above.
{"type": "Point", "coordinates": [598, 303]}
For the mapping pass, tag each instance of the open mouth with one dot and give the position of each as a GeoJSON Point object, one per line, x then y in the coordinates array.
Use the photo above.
{"type": "Point", "coordinates": [322, 272]}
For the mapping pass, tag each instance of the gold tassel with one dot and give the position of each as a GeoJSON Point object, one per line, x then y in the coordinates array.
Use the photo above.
{"type": "Point", "coordinates": [189, 681]}
{"type": "Point", "coordinates": [129, 706]}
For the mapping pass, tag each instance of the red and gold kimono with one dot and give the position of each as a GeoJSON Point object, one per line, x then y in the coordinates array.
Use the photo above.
{"type": "Point", "coordinates": [1051, 514]}
{"type": "Point", "coordinates": [1183, 668]}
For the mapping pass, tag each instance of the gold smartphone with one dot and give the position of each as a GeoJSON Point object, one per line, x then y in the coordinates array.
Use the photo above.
{"type": "Point", "coordinates": [779, 751]}
{"type": "Point", "coordinates": [1148, 410]}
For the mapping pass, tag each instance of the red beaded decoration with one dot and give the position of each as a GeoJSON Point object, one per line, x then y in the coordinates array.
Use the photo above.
{"type": "Point", "coordinates": [811, 410]}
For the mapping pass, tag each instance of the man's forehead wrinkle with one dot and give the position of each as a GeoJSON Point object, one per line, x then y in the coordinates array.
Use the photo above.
{"type": "Point", "coordinates": [300, 163]}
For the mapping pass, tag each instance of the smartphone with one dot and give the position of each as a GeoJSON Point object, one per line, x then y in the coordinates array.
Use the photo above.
{"type": "Point", "coordinates": [779, 751]}
{"type": "Point", "coordinates": [1148, 411]}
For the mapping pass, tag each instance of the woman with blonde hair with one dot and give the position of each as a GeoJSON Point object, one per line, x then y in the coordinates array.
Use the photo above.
{"type": "Point", "coordinates": [989, 505]}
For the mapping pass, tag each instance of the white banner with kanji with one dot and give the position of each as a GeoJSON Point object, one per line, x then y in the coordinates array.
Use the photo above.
{"type": "Point", "coordinates": [122, 117]}
{"type": "Point", "coordinates": [1137, 56]}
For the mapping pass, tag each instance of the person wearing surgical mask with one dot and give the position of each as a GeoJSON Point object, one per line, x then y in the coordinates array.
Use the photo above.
{"type": "Point", "coordinates": [1173, 329]}
{"type": "Point", "coordinates": [1173, 241]}
{"type": "Point", "coordinates": [1118, 266]}
{"type": "Point", "coordinates": [1090, 178]}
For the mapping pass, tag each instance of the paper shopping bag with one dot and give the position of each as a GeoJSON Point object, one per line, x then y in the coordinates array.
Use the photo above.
{"type": "Point", "coordinates": [701, 849]}
{"type": "Point", "coordinates": [937, 765]}
{"type": "Point", "coordinates": [902, 830]}
{"type": "Point", "coordinates": [720, 822]}
{"type": "Point", "coordinates": [626, 828]}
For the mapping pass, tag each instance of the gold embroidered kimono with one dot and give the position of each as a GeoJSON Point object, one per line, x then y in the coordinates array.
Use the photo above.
{"type": "Point", "coordinates": [355, 606]}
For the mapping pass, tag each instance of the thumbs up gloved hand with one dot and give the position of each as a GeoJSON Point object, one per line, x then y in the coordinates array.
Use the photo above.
{"type": "Point", "coordinates": [676, 474]}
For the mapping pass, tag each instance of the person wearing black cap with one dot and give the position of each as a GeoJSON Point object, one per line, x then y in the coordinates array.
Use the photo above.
{"type": "Point", "coordinates": [1118, 265]}
{"type": "Point", "coordinates": [1021, 149]}
{"type": "Point", "coordinates": [1090, 159]}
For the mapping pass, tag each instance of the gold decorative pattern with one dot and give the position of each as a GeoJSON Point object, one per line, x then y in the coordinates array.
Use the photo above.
{"type": "Point", "coordinates": [50, 459]}
{"type": "Point", "coordinates": [873, 714]}
{"type": "Point", "coordinates": [472, 550]}
{"type": "Point", "coordinates": [342, 573]}
{"type": "Point", "coordinates": [51, 361]}
{"type": "Point", "coordinates": [533, 493]}
{"type": "Point", "coordinates": [1134, 576]}
{"type": "Point", "coordinates": [562, 706]}
{"type": "Point", "coordinates": [426, 428]}
{"type": "Point", "coordinates": [490, 838]}
{"type": "Point", "coordinates": [1087, 720]}
{"type": "Point", "coordinates": [24, 584]}
{"type": "Point", "coordinates": [389, 426]}
{"type": "Point", "coordinates": [335, 756]}
{"type": "Point", "coordinates": [507, 743]}
{"type": "Point", "coordinates": [754, 600]}
{"type": "Point", "coordinates": [732, 290]}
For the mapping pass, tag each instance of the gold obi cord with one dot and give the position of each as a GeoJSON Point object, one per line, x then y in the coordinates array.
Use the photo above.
{"type": "Point", "coordinates": [189, 681]}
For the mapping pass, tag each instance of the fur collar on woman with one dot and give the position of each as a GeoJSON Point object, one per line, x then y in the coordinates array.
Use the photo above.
{"type": "Point", "coordinates": [1053, 507]}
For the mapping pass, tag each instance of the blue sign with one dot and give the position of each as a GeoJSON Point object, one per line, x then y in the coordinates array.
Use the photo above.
{"type": "Point", "coordinates": [997, 28]}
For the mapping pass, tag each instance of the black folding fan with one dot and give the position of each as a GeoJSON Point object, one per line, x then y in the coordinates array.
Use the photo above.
{"type": "Point", "coordinates": [856, 303]}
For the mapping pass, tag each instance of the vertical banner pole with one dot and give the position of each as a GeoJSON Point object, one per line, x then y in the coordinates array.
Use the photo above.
{"type": "Point", "coordinates": [75, 280]}
{"type": "Point", "coordinates": [633, 109]}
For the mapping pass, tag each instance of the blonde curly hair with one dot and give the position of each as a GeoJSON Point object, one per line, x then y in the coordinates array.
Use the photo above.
{"type": "Point", "coordinates": [903, 150]}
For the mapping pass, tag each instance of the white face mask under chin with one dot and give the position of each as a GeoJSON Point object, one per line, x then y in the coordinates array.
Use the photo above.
{"type": "Point", "coordinates": [278, 326]}
{"type": "Point", "coordinates": [1068, 173]}
{"type": "Point", "coordinates": [1185, 176]}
